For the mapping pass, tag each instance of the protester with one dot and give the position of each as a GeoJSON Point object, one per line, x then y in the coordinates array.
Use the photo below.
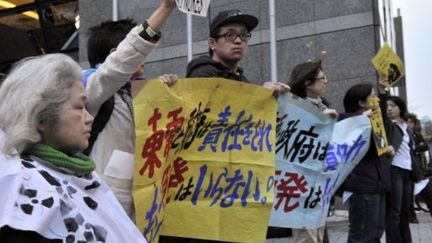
{"type": "Point", "coordinates": [228, 44]}
{"type": "Point", "coordinates": [116, 56]}
{"type": "Point", "coordinates": [49, 191]}
{"type": "Point", "coordinates": [370, 179]}
{"type": "Point", "coordinates": [402, 174]}
{"type": "Point", "coordinates": [309, 82]}
{"type": "Point", "coordinates": [420, 147]}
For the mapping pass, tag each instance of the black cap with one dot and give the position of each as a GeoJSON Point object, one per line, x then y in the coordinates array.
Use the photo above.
{"type": "Point", "coordinates": [231, 16]}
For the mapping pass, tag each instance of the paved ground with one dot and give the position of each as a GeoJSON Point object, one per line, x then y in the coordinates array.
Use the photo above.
{"type": "Point", "coordinates": [338, 229]}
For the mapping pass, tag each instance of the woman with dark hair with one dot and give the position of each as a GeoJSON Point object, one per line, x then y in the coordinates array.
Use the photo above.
{"type": "Point", "coordinates": [420, 146]}
{"type": "Point", "coordinates": [370, 179]}
{"type": "Point", "coordinates": [402, 174]}
{"type": "Point", "coordinates": [309, 82]}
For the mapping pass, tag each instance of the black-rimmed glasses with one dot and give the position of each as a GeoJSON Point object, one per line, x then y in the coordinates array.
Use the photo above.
{"type": "Point", "coordinates": [231, 36]}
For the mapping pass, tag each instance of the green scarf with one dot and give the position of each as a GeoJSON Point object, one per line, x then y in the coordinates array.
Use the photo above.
{"type": "Point", "coordinates": [80, 164]}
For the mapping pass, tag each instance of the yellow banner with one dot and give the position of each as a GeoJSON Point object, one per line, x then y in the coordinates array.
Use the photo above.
{"type": "Point", "coordinates": [378, 129]}
{"type": "Point", "coordinates": [205, 159]}
{"type": "Point", "coordinates": [388, 64]}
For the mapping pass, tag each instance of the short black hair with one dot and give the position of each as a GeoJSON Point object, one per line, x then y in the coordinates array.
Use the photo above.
{"type": "Point", "coordinates": [104, 37]}
{"type": "Point", "coordinates": [302, 75]}
{"type": "Point", "coordinates": [417, 124]}
{"type": "Point", "coordinates": [356, 93]}
{"type": "Point", "coordinates": [399, 102]}
{"type": "Point", "coordinates": [411, 116]}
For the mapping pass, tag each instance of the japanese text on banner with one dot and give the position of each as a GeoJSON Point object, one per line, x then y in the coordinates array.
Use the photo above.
{"type": "Point", "coordinates": [314, 155]}
{"type": "Point", "coordinates": [205, 158]}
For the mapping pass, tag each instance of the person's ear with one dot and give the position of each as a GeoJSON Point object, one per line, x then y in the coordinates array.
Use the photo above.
{"type": "Point", "coordinates": [308, 83]}
{"type": "Point", "coordinates": [42, 127]}
{"type": "Point", "coordinates": [362, 103]}
{"type": "Point", "coordinates": [211, 43]}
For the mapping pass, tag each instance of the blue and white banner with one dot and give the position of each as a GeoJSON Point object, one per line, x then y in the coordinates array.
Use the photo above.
{"type": "Point", "coordinates": [313, 157]}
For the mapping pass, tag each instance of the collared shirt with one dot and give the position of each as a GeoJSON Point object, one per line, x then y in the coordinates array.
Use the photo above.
{"type": "Point", "coordinates": [318, 103]}
{"type": "Point", "coordinates": [402, 158]}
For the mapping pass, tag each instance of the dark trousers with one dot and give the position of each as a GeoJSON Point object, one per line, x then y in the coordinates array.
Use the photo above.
{"type": "Point", "coordinates": [398, 206]}
{"type": "Point", "coordinates": [366, 217]}
{"type": "Point", "coordinates": [413, 215]}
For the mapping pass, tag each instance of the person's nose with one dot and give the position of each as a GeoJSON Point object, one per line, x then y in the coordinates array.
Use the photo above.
{"type": "Point", "coordinates": [237, 39]}
{"type": "Point", "coordinates": [88, 118]}
{"type": "Point", "coordinates": [323, 80]}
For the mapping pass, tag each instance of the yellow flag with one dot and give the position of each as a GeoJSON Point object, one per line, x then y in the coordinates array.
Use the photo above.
{"type": "Point", "coordinates": [388, 64]}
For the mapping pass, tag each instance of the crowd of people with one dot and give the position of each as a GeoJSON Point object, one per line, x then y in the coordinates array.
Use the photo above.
{"type": "Point", "coordinates": [51, 191]}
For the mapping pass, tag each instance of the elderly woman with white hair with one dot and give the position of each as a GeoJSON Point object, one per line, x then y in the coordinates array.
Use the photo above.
{"type": "Point", "coordinates": [49, 191]}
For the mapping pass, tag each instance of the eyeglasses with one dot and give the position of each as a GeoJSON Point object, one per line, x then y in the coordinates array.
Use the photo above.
{"type": "Point", "coordinates": [231, 36]}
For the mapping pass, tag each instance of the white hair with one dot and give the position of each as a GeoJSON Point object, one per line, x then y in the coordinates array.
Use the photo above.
{"type": "Point", "coordinates": [31, 94]}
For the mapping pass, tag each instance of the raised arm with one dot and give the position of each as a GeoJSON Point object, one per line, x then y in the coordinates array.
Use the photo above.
{"type": "Point", "coordinates": [383, 94]}
{"type": "Point", "coordinates": [122, 63]}
{"type": "Point", "coordinates": [390, 127]}
{"type": "Point", "coordinates": [160, 15]}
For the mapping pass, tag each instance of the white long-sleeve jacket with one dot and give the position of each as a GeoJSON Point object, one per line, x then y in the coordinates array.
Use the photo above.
{"type": "Point", "coordinates": [114, 148]}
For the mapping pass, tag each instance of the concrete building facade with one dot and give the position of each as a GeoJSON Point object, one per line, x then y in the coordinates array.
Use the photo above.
{"type": "Point", "coordinates": [344, 34]}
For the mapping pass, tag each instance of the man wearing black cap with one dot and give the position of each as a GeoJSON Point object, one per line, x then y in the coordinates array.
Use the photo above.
{"type": "Point", "coordinates": [228, 43]}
